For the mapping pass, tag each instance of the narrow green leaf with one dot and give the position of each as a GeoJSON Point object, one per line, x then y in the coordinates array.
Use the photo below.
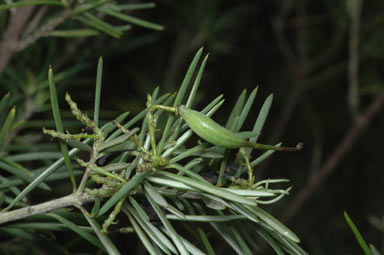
{"type": "Point", "coordinates": [118, 140]}
{"type": "Point", "coordinates": [138, 209]}
{"type": "Point", "coordinates": [187, 79]}
{"type": "Point", "coordinates": [251, 193]}
{"type": "Point", "coordinates": [273, 223]}
{"type": "Point", "coordinates": [243, 211]}
{"type": "Point", "coordinates": [171, 231]}
{"type": "Point", "coordinates": [155, 195]}
{"type": "Point", "coordinates": [46, 173]}
{"type": "Point", "coordinates": [30, 156]}
{"type": "Point", "coordinates": [20, 171]}
{"type": "Point", "coordinates": [173, 210]}
{"type": "Point", "coordinates": [190, 152]}
{"type": "Point", "coordinates": [222, 230]}
{"type": "Point", "coordinates": [4, 102]}
{"type": "Point", "coordinates": [115, 167]}
{"type": "Point", "coordinates": [289, 245]}
{"type": "Point", "coordinates": [98, 90]}
{"type": "Point", "coordinates": [129, 7]}
{"type": "Point", "coordinates": [206, 218]}
{"type": "Point", "coordinates": [263, 156]}
{"type": "Point", "coordinates": [111, 125]}
{"type": "Point", "coordinates": [6, 128]}
{"type": "Point", "coordinates": [169, 208]}
{"type": "Point", "coordinates": [240, 240]}
{"type": "Point", "coordinates": [205, 241]}
{"type": "Point", "coordinates": [29, 3]}
{"type": "Point", "coordinates": [72, 33]}
{"type": "Point", "coordinates": [2, 198]}
{"type": "Point", "coordinates": [179, 97]}
{"type": "Point", "coordinates": [357, 234]}
{"type": "Point", "coordinates": [136, 118]}
{"type": "Point", "coordinates": [263, 114]}
{"type": "Point", "coordinates": [51, 169]}
{"type": "Point", "coordinates": [75, 228]}
{"type": "Point", "coordinates": [241, 226]}
{"type": "Point", "coordinates": [99, 24]}
{"type": "Point", "coordinates": [143, 237]}
{"type": "Point", "coordinates": [157, 237]}
{"type": "Point", "coordinates": [236, 109]}
{"type": "Point", "coordinates": [22, 234]}
{"type": "Point", "coordinates": [259, 123]}
{"type": "Point", "coordinates": [374, 250]}
{"type": "Point", "coordinates": [270, 241]}
{"type": "Point", "coordinates": [170, 183]}
{"type": "Point", "coordinates": [79, 145]}
{"type": "Point", "coordinates": [87, 7]}
{"type": "Point", "coordinates": [189, 173]}
{"type": "Point", "coordinates": [131, 184]}
{"type": "Point", "coordinates": [246, 109]}
{"type": "Point", "coordinates": [11, 185]}
{"type": "Point", "coordinates": [96, 207]}
{"type": "Point", "coordinates": [8, 200]}
{"type": "Point", "coordinates": [211, 189]}
{"type": "Point", "coordinates": [59, 126]}
{"type": "Point", "coordinates": [155, 93]}
{"type": "Point", "coordinates": [191, 248]}
{"type": "Point", "coordinates": [44, 226]}
{"type": "Point", "coordinates": [104, 239]}
{"type": "Point", "coordinates": [133, 20]}
{"type": "Point", "coordinates": [195, 87]}
{"type": "Point", "coordinates": [214, 202]}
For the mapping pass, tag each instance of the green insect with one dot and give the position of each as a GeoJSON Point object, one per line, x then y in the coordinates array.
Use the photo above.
{"type": "Point", "coordinates": [212, 132]}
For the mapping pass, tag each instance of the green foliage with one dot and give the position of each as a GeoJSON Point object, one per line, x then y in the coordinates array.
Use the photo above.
{"type": "Point", "coordinates": [367, 250]}
{"type": "Point", "coordinates": [155, 175]}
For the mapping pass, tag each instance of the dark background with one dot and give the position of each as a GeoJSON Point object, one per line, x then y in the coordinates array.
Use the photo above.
{"type": "Point", "coordinates": [298, 50]}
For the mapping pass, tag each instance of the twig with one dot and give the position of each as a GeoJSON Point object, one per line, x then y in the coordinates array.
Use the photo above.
{"type": "Point", "coordinates": [47, 27]}
{"type": "Point", "coordinates": [34, 22]}
{"type": "Point", "coordinates": [299, 64]}
{"type": "Point", "coordinates": [70, 200]}
{"type": "Point", "coordinates": [11, 36]}
{"type": "Point", "coordinates": [301, 69]}
{"type": "Point", "coordinates": [353, 64]}
{"type": "Point", "coordinates": [282, 43]}
{"type": "Point", "coordinates": [329, 165]}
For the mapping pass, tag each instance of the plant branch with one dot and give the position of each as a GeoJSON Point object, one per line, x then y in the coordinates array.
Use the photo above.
{"type": "Point", "coordinates": [11, 36]}
{"type": "Point", "coordinates": [353, 64]}
{"type": "Point", "coordinates": [330, 164]}
{"type": "Point", "coordinates": [70, 200]}
{"type": "Point", "coordinates": [47, 27]}
{"type": "Point", "coordinates": [300, 65]}
{"type": "Point", "coordinates": [301, 68]}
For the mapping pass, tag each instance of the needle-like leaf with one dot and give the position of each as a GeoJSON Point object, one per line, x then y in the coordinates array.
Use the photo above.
{"type": "Point", "coordinates": [59, 126]}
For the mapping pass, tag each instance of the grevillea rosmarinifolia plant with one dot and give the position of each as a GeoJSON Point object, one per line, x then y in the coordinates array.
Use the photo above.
{"type": "Point", "coordinates": [173, 190]}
